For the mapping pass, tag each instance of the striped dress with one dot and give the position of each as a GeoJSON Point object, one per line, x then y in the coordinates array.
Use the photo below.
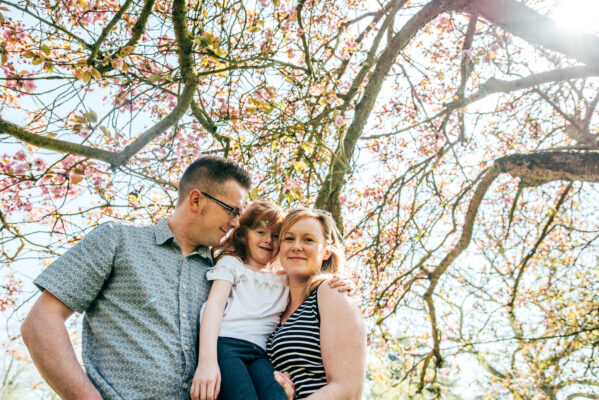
{"type": "Point", "coordinates": [294, 347]}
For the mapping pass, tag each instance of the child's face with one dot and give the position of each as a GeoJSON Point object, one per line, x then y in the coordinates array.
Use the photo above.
{"type": "Point", "coordinates": [263, 246]}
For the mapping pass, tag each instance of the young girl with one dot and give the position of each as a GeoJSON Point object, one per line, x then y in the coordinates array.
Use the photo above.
{"type": "Point", "coordinates": [232, 361]}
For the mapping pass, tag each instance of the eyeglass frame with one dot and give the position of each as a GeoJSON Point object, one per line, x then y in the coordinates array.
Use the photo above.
{"type": "Point", "coordinates": [234, 212]}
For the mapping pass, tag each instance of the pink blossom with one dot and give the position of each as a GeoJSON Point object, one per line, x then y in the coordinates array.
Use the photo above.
{"type": "Point", "coordinates": [39, 163]}
{"type": "Point", "coordinates": [339, 121]}
{"type": "Point", "coordinates": [97, 180]}
{"type": "Point", "coordinates": [19, 355]}
{"type": "Point", "coordinates": [29, 86]}
{"type": "Point", "coordinates": [20, 168]}
{"type": "Point", "coordinates": [20, 155]}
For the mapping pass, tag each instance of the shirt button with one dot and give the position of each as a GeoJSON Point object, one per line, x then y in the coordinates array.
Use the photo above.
{"type": "Point", "coordinates": [185, 385]}
{"type": "Point", "coordinates": [184, 287]}
{"type": "Point", "coordinates": [183, 315]}
{"type": "Point", "coordinates": [186, 347]}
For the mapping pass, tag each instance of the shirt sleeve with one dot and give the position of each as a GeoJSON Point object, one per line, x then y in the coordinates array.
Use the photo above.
{"type": "Point", "coordinates": [226, 269]}
{"type": "Point", "coordinates": [77, 277]}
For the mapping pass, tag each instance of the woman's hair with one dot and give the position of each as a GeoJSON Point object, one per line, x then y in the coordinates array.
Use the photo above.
{"type": "Point", "coordinates": [261, 213]}
{"type": "Point", "coordinates": [335, 264]}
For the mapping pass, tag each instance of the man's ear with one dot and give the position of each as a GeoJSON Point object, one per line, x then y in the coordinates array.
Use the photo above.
{"type": "Point", "coordinates": [194, 199]}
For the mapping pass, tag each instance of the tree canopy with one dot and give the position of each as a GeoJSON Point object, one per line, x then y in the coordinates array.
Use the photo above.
{"type": "Point", "coordinates": [456, 143]}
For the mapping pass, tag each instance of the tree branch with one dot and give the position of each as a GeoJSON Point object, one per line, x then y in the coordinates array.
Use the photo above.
{"type": "Point", "coordinates": [137, 30]}
{"type": "Point", "coordinates": [53, 25]}
{"type": "Point", "coordinates": [328, 197]}
{"type": "Point", "coordinates": [61, 146]}
{"type": "Point", "coordinates": [463, 242]}
{"type": "Point", "coordinates": [96, 46]}
{"type": "Point", "coordinates": [502, 86]}
{"type": "Point", "coordinates": [307, 59]}
{"type": "Point", "coordinates": [520, 20]}
{"type": "Point", "coordinates": [539, 168]}
{"type": "Point", "coordinates": [116, 160]}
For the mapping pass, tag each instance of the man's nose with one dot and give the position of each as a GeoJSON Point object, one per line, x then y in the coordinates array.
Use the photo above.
{"type": "Point", "coordinates": [234, 222]}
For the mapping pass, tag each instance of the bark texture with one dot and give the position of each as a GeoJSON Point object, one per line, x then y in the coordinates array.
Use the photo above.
{"type": "Point", "coordinates": [538, 168]}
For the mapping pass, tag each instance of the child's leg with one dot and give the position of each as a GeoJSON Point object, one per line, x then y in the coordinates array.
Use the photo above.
{"type": "Point", "coordinates": [236, 381]}
{"type": "Point", "coordinates": [261, 371]}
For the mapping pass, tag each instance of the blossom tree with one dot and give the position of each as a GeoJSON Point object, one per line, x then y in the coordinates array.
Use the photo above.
{"type": "Point", "coordinates": [456, 143]}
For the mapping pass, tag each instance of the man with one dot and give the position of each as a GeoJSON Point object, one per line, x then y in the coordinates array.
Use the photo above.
{"type": "Point", "coordinates": [140, 288]}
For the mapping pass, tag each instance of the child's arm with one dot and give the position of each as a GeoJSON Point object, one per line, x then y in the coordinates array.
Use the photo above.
{"type": "Point", "coordinates": [206, 381]}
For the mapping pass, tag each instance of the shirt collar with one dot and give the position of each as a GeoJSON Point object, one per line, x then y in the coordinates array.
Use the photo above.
{"type": "Point", "coordinates": [163, 234]}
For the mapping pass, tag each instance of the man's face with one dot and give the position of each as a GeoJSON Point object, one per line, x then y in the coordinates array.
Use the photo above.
{"type": "Point", "coordinates": [214, 220]}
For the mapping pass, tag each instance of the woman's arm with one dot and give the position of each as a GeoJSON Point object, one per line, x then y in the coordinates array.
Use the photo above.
{"type": "Point", "coordinates": [206, 381]}
{"type": "Point", "coordinates": [342, 344]}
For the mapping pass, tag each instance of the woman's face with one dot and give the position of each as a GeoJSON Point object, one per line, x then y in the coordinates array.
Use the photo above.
{"type": "Point", "coordinates": [303, 248]}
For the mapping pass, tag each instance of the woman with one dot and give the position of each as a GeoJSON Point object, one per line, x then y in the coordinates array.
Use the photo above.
{"type": "Point", "coordinates": [321, 341]}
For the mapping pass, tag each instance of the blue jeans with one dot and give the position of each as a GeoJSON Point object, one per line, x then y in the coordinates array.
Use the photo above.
{"type": "Point", "coordinates": [246, 373]}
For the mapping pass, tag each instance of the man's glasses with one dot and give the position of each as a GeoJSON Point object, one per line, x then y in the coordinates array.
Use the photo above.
{"type": "Point", "coordinates": [233, 211]}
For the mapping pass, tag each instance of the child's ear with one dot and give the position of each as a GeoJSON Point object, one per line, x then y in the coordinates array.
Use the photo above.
{"type": "Point", "coordinates": [327, 254]}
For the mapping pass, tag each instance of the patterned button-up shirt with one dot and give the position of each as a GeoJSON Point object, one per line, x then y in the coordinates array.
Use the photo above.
{"type": "Point", "coordinates": [141, 300]}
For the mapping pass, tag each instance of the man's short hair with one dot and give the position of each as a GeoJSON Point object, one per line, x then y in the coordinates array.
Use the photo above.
{"type": "Point", "coordinates": [209, 173]}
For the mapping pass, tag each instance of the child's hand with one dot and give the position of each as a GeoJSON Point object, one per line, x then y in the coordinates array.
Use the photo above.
{"type": "Point", "coordinates": [342, 284]}
{"type": "Point", "coordinates": [206, 381]}
{"type": "Point", "coordinates": [284, 380]}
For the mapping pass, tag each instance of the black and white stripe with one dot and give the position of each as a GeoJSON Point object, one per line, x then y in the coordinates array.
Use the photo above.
{"type": "Point", "coordinates": [294, 347]}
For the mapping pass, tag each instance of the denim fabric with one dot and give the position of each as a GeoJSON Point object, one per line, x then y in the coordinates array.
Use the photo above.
{"type": "Point", "coordinates": [246, 372]}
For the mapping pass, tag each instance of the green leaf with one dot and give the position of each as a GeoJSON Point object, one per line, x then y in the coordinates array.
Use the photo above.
{"type": "Point", "coordinates": [106, 132]}
{"type": "Point", "coordinates": [91, 116]}
{"type": "Point", "coordinates": [308, 147]}
{"type": "Point", "coordinates": [299, 166]}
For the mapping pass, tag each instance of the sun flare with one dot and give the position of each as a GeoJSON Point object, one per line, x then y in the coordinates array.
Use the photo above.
{"type": "Point", "coordinates": [578, 15]}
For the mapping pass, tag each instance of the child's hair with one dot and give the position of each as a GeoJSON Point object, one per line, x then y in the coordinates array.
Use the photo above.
{"type": "Point", "coordinates": [261, 213]}
{"type": "Point", "coordinates": [335, 264]}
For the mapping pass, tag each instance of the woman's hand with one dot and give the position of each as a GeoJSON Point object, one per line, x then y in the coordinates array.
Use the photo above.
{"type": "Point", "coordinates": [284, 380]}
{"type": "Point", "coordinates": [206, 381]}
{"type": "Point", "coordinates": [342, 284]}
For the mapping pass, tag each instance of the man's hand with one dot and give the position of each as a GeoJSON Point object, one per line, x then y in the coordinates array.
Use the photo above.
{"type": "Point", "coordinates": [342, 284]}
{"type": "Point", "coordinates": [206, 381]}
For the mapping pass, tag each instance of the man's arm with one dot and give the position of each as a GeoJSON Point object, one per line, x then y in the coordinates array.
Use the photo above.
{"type": "Point", "coordinates": [45, 335]}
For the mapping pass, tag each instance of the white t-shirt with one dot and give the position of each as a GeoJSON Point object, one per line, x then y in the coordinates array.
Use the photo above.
{"type": "Point", "coordinates": [255, 304]}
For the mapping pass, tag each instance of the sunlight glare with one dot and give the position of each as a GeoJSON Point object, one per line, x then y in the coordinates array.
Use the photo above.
{"type": "Point", "coordinates": [578, 15]}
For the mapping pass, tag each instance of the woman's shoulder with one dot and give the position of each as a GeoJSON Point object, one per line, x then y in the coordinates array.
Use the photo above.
{"type": "Point", "coordinates": [331, 298]}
